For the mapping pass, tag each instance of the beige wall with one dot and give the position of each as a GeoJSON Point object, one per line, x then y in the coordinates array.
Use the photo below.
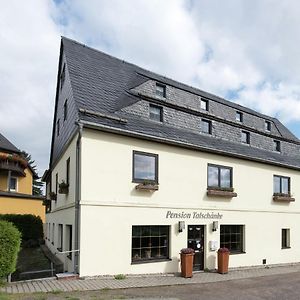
{"type": "Point", "coordinates": [107, 177]}
{"type": "Point", "coordinates": [110, 205]}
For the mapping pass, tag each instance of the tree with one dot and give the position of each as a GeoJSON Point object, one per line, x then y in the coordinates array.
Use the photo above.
{"type": "Point", "coordinates": [37, 185]}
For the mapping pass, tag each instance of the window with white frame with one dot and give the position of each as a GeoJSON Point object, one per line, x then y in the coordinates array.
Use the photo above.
{"type": "Point", "coordinates": [13, 184]}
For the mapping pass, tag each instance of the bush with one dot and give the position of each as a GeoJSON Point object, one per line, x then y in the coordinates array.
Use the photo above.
{"type": "Point", "coordinates": [10, 240]}
{"type": "Point", "coordinates": [30, 226]}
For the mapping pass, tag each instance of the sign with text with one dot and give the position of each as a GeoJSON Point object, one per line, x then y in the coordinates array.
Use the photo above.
{"type": "Point", "coordinates": [193, 215]}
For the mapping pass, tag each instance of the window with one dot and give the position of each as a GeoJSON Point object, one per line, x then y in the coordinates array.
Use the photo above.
{"type": "Point", "coordinates": [68, 171]}
{"type": "Point", "coordinates": [219, 177]}
{"type": "Point", "coordinates": [69, 241]}
{"type": "Point", "coordinates": [206, 126]}
{"type": "Point", "coordinates": [281, 185]}
{"type": "Point", "coordinates": [13, 184]}
{"type": "Point", "coordinates": [232, 237]}
{"type": "Point", "coordinates": [239, 116]}
{"type": "Point", "coordinates": [204, 104]}
{"type": "Point", "coordinates": [66, 110]}
{"type": "Point", "coordinates": [277, 146]}
{"type": "Point", "coordinates": [56, 183]}
{"type": "Point", "coordinates": [58, 127]}
{"type": "Point", "coordinates": [145, 167]}
{"type": "Point", "coordinates": [156, 113]}
{"type": "Point", "coordinates": [53, 228]}
{"type": "Point", "coordinates": [160, 90]}
{"type": "Point", "coordinates": [267, 126]}
{"type": "Point", "coordinates": [150, 243]}
{"type": "Point", "coordinates": [60, 237]}
{"type": "Point", "coordinates": [49, 231]}
{"type": "Point", "coordinates": [285, 238]}
{"type": "Point", "coordinates": [62, 77]}
{"type": "Point", "coordinates": [245, 137]}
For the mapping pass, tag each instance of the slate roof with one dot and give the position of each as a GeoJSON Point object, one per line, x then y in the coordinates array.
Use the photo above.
{"type": "Point", "coordinates": [7, 146]}
{"type": "Point", "coordinates": [101, 83]}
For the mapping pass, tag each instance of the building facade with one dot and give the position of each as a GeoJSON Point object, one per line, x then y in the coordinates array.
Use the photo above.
{"type": "Point", "coordinates": [142, 166]}
{"type": "Point", "coordinates": [16, 177]}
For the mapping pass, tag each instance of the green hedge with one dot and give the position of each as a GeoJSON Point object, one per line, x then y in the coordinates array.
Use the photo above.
{"type": "Point", "coordinates": [30, 226]}
{"type": "Point", "coordinates": [10, 240]}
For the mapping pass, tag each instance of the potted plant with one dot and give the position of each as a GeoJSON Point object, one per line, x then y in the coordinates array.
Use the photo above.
{"type": "Point", "coordinates": [52, 196]}
{"type": "Point", "coordinates": [63, 188]}
{"type": "Point", "coordinates": [223, 259]}
{"type": "Point", "coordinates": [147, 185]}
{"type": "Point", "coordinates": [187, 259]}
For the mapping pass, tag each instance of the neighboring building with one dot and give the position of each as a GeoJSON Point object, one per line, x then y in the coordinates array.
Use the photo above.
{"type": "Point", "coordinates": [150, 166]}
{"type": "Point", "coordinates": [16, 177]}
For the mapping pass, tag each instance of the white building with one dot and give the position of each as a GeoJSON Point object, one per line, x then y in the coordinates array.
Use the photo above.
{"type": "Point", "coordinates": [152, 166]}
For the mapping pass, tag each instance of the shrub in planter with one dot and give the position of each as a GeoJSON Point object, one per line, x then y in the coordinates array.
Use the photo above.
{"type": "Point", "coordinates": [10, 240]}
{"type": "Point", "coordinates": [223, 260]}
{"type": "Point", "coordinates": [187, 259]}
{"type": "Point", "coordinates": [30, 226]}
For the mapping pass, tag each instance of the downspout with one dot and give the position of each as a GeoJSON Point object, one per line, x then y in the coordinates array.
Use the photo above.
{"type": "Point", "coordinates": [77, 199]}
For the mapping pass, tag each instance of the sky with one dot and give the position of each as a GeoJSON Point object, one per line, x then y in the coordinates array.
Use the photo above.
{"type": "Point", "coordinates": [245, 51]}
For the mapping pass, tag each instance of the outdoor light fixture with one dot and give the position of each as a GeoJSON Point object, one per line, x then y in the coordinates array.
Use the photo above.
{"type": "Point", "coordinates": [215, 225]}
{"type": "Point", "coordinates": [181, 226]}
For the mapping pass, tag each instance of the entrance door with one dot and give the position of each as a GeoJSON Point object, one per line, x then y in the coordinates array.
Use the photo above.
{"type": "Point", "coordinates": [196, 242]}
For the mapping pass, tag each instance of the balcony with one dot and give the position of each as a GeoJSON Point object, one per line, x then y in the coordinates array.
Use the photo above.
{"type": "Point", "coordinates": [13, 162]}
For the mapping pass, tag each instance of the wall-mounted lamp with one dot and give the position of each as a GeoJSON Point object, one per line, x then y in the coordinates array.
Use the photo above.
{"type": "Point", "coordinates": [215, 225]}
{"type": "Point", "coordinates": [181, 226]}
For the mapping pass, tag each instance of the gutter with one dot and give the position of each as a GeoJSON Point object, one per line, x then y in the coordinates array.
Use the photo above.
{"type": "Point", "coordinates": [77, 199]}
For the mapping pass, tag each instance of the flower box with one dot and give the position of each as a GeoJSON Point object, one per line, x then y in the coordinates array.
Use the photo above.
{"type": "Point", "coordinates": [279, 197]}
{"type": "Point", "coordinates": [63, 188]}
{"type": "Point", "coordinates": [221, 192]}
{"type": "Point", "coordinates": [147, 187]}
{"type": "Point", "coordinates": [52, 196]}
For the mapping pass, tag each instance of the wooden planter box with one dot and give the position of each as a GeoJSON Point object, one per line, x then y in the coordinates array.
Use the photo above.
{"type": "Point", "coordinates": [223, 260]}
{"type": "Point", "coordinates": [187, 265]}
{"type": "Point", "coordinates": [63, 189]}
{"type": "Point", "coordinates": [147, 187]}
{"type": "Point", "coordinates": [221, 193]}
{"type": "Point", "coordinates": [283, 198]}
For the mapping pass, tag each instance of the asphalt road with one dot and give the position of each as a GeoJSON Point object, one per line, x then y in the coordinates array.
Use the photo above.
{"type": "Point", "coordinates": [280, 287]}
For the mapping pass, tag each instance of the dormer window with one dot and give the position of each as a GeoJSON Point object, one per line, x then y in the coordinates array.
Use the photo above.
{"type": "Point", "coordinates": [58, 127]}
{"type": "Point", "coordinates": [267, 126]}
{"type": "Point", "coordinates": [239, 116]}
{"type": "Point", "coordinates": [156, 113]}
{"type": "Point", "coordinates": [277, 146]}
{"type": "Point", "coordinates": [204, 104]}
{"type": "Point", "coordinates": [160, 90]}
{"type": "Point", "coordinates": [245, 137]}
{"type": "Point", "coordinates": [66, 110]}
{"type": "Point", "coordinates": [206, 126]}
{"type": "Point", "coordinates": [62, 77]}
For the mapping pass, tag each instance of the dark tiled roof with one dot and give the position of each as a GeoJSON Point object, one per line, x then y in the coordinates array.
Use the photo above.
{"type": "Point", "coordinates": [100, 83]}
{"type": "Point", "coordinates": [7, 146]}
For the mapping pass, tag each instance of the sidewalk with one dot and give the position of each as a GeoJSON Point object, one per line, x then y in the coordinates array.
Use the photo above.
{"type": "Point", "coordinates": [89, 284]}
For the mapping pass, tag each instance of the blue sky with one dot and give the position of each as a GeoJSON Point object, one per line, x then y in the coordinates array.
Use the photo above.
{"type": "Point", "coordinates": [245, 51]}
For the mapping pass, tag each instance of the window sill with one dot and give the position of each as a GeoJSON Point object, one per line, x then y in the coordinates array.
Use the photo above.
{"type": "Point", "coordinates": [283, 248]}
{"type": "Point", "coordinates": [221, 193]}
{"type": "Point", "coordinates": [147, 187]}
{"type": "Point", "coordinates": [150, 261]}
{"type": "Point", "coordinates": [283, 198]}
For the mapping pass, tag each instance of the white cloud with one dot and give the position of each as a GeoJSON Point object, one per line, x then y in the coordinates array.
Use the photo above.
{"type": "Point", "coordinates": [28, 59]}
{"type": "Point", "coordinates": [248, 49]}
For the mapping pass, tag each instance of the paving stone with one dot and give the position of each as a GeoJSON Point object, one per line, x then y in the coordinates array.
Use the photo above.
{"type": "Point", "coordinates": [48, 285]}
